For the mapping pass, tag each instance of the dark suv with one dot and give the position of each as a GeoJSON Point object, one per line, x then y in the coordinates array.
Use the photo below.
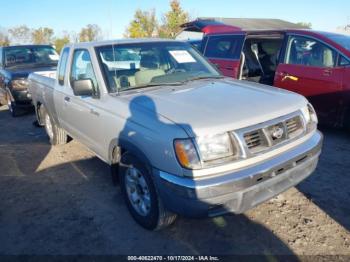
{"type": "Point", "coordinates": [16, 63]}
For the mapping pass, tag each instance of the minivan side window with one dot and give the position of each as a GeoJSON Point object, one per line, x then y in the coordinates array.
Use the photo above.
{"type": "Point", "coordinates": [224, 46]}
{"type": "Point", "coordinates": [82, 68]}
{"type": "Point", "coordinates": [343, 61]}
{"type": "Point", "coordinates": [309, 52]}
{"type": "Point", "coordinates": [63, 65]}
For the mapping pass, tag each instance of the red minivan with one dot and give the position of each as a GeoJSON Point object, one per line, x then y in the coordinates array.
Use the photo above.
{"type": "Point", "coordinates": [312, 63]}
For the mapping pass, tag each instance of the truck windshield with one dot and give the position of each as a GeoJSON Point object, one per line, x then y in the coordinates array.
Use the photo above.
{"type": "Point", "coordinates": [29, 56]}
{"type": "Point", "coordinates": [129, 66]}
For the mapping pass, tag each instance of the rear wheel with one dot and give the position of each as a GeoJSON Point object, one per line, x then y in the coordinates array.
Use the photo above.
{"type": "Point", "coordinates": [141, 196]}
{"type": "Point", "coordinates": [56, 134]}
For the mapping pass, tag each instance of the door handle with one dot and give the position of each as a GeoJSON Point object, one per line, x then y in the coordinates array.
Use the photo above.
{"type": "Point", "coordinates": [229, 68]}
{"type": "Point", "coordinates": [67, 99]}
{"type": "Point", "coordinates": [327, 72]}
{"type": "Point", "coordinates": [288, 76]}
{"type": "Point", "coordinates": [92, 111]}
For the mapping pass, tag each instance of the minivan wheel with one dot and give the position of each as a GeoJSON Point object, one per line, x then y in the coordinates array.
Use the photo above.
{"type": "Point", "coordinates": [141, 196]}
{"type": "Point", "coordinates": [56, 134]}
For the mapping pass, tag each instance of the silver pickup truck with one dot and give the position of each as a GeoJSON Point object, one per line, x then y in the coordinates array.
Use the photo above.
{"type": "Point", "coordinates": [181, 138]}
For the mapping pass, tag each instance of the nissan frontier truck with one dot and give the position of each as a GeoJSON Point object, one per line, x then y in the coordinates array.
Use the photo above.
{"type": "Point", "coordinates": [181, 138]}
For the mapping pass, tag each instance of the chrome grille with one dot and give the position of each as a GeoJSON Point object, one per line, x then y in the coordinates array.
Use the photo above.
{"type": "Point", "coordinates": [253, 139]}
{"type": "Point", "coordinates": [273, 133]}
{"type": "Point", "coordinates": [294, 126]}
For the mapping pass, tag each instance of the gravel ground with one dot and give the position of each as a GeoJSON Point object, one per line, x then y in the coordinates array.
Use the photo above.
{"type": "Point", "coordinates": [61, 201]}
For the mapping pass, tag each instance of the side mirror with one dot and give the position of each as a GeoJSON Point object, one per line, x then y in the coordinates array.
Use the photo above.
{"type": "Point", "coordinates": [83, 87]}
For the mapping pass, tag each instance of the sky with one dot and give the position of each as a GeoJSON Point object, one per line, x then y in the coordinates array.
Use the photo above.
{"type": "Point", "coordinates": [113, 16]}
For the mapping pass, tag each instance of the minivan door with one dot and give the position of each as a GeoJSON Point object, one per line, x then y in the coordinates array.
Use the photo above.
{"type": "Point", "coordinates": [224, 51]}
{"type": "Point", "coordinates": [310, 69]}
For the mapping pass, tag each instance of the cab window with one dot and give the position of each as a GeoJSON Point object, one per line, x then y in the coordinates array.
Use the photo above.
{"type": "Point", "coordinates": [0, 57]}
{"type": "Point", "coordinates": [63, 65]}
{"type": "Point", "coordinates": [309, 52]}
{"type": "Point", "coordinates": [82, 68]}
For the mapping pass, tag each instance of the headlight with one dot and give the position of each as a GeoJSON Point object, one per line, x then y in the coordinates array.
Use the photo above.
{"type": "Point", "coordinates": [212, 150]}
{"type": "Point", "coordinates": [19, 84]}
{"type": "Point", "coordinates": [215, 147]}
{"type": "Point", "coordinates": [310, 117]}
{"type": "Point", "coordinates": [186, 154]}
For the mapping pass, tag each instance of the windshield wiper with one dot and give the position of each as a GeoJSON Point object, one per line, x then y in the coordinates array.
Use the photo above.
{"type": "Point", "coordinates": [203, 77]}
{"type": "Point", "coordinates": [152, 85]}
{"type": "Point", "coordinates": [45, 64]}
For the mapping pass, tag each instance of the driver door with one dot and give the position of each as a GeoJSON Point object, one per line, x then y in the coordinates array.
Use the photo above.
{"type": "Point", "coordinates": [83, 114]}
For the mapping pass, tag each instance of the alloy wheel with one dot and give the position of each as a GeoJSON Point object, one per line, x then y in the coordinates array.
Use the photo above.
{"type": "Point", "coordinates": [138, 191]}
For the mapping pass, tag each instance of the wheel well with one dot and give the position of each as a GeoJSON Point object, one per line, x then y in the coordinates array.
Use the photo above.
{"type": "Point", "coordinates": [37, 112]}
{"type": "Point", "coordinates": [121, 147]}
{"type": "Point", "coordinates": [117, 152]}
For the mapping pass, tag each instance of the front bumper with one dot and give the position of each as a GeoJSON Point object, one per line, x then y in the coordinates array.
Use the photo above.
{"type": "Point", "coordinates": [242, 189]}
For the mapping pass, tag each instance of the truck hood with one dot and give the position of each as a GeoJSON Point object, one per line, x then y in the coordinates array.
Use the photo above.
{"type": "Point", "coordinates": [205, 107]}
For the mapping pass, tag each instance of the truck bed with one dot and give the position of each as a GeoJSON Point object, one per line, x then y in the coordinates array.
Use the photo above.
{"type": "Point", "coordinates": [38, 82]}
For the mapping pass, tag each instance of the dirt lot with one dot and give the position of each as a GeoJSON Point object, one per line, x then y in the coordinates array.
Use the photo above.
{"type": "Point", "coordinates": [61, 201]}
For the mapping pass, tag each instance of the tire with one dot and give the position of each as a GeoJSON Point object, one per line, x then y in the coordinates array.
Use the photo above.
{"type": "Point", "coordinates": [56, 134]}
{"type": "Point", "coordinates": [154, 216]}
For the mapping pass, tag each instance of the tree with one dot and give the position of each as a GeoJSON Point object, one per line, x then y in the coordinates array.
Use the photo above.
{"type": "Point", "coordinates": [4, 40]}
{"type": "Point", "coordinates": [42, 35]}
{"type": "Point", "coordinates": [91, 32]}
{"type": "Point", "coordinates": [172, 20]}
{"type": "Point", "coordinates": [59, 42]}
{"type": "Point", "coordinates": [20, 34]}
{"type": "Point", "coordinates": [305, 24]}
{"type": "Point", "coordinates": [144, 24]}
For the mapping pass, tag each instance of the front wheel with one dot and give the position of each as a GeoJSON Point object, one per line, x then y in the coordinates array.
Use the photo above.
{"type": "Point", "coordinates": [56, 134]}
{"type": "Point", "coordinates": [141, 196]}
